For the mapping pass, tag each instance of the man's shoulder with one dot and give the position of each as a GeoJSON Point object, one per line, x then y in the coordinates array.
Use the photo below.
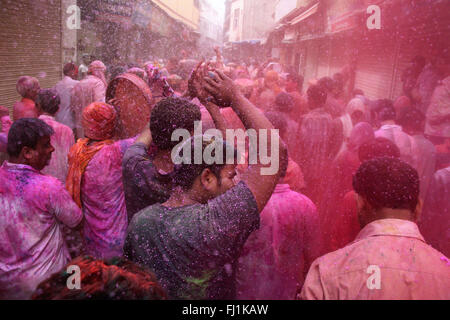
{"type": "Point", "coordinates": [145, 216]}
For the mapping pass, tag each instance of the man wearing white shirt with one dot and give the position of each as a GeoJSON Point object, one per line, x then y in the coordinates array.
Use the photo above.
{"type": "Point", "coordinates": [392, 131]}
{"type": "Point", "coordinates": [63, 88]}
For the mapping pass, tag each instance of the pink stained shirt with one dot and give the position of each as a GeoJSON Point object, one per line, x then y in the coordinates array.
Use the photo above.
{"type": "Point", "coordinates": [61, 140]}
{"type": "Point", "coordinates": [103, 200]}
{"type": "Point", "coordinates": [409, 268]}
{"type": "Point", "coordinates": [32, 246]}
{"type": "Point", "coordinates": [275, 258]}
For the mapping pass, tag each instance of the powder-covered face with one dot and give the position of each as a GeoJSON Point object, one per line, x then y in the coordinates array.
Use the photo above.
{"type": "Point", "coordinates": [40, 157]}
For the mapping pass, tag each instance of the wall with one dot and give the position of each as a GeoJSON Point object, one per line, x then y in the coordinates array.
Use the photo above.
{"type": "Point", "coordinates": [182, 10]}
{"type": "Point", "coordinates": [68, 36]}
{"type": "Point", "coordinates": [235, 33]}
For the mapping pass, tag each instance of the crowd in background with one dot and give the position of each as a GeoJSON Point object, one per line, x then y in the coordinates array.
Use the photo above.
{"type": "Point", "coordinates": [361, 182]}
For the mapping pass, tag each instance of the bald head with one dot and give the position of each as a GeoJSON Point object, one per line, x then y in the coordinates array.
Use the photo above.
{"type": "Point", "coordinates": [28, 87]}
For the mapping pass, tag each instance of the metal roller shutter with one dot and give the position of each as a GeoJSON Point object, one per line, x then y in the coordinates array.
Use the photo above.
{"type": "Point", "coordinates": [30, 33]}
{"type": "Point", "coordinates": [375, 67]}
{"type": "Point", "coordinates": [312, 54]}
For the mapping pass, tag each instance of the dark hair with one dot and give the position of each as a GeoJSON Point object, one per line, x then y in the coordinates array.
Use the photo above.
{"type": "Point", "coordinates": [278, 121]}
{"type": "Point", "coordinates": [297, 79]}
{"type": "Point", "coordinates": [388, 183]}
{"type": "Point", "coordinates": [420, 61]}
{"type": "Point", "coordinates": [169, 115]}
{"type": "Point", "coordinates": [380, 147]}
{"type": "Point", "coordinates": [317, 96]}
{"type": "Point", "coordinates": [387, 112]}
{"type": "Point", "coordinates": [48, 101]}
{"type": "Point", "coordinates": [338, 81]}
{"type": "Point", "coordinates": [284, 102]}
{"type": "Point", "coordinates": [357, 92]}
{"type": "Point", "coordinates": [114, 279]}
{"type": "Point", "coordinates": [184, 175]}
{"type": "Point", "coordinates": [68, 68]}
{"type": "Point", "coordinates": [26, 132]}
{"type": "Point", "coordinates": [412, 119]}
{"type": "Point", "coordinates": [381, 104]}
{"type": "Point", "coordinates": [327, 83]}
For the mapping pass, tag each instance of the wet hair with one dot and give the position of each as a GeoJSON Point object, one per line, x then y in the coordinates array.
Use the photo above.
{"type": "Point", "coordinates": [380, 147]}
{"type": "Point", "coordinates": [388, 183]}
{"type": "Point", "coordinates": [48, 101]}
{"type": "Point", "coordinates": [327, 83]}
{"type": "Point", "coordinates": [387, 111]}
{"type": "Point", "coordinates": [298, 79]}
{"type": "Point", "coordinates": [25, 85]}
{"type": "Point", "coordinates": [169, 115]}
{"type": "Point", "coordinates": [420, 61]}
{"type": "Point", "coordinates": [117, 71]}
{"type": "Point", "coordinates": [278, 121]}
{"type": "Point", "coordinates": [338, 81]}
{"type": "Point", "coordinates": [68, 68]}
{"type": "Point", "coordinates": [413, 119]}
{"type": "Point", "coordinates": [26, 132]}
{"type": "Point", "coordinates": [114, 279]}
{"type": "Point", "coordinates": [284, 102]}
{"type": "Point", "coordinates": [184, 175]}
{"type": "Point", "coordinates": [317, 96]}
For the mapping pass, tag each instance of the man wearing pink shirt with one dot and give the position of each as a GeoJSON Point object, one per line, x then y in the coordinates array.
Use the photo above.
{"type": "Point", "coordinates": [47, 104]}
{"type": "Point", "coordinates": [389, 260]}
{"type": "Point", "coordinates": [28, 88]}
{"type": "Point", "coordinates": [275, 259]}
{"type": "Point", "coordinates": [33, 207]}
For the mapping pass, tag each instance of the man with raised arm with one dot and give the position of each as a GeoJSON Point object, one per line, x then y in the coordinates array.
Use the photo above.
{"type": "Point", "coordinates": [193, 240]}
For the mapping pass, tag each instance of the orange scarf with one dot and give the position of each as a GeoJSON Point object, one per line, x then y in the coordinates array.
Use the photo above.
{"type": "Point", "coordinates": [79, 157]}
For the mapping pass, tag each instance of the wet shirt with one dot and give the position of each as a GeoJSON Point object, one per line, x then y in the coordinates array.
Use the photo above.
{"type": "Point", "coordinates": [438, 114]}
{"type": "Point", "coordinates": [143, 184]}
{"type": "Point", "coordinates": [61, 140]}
{"type": "Point", "coordinates": [435, 220]}
{"type": "Point", "coordinates": [32, 247]}
{"type": "Point", "coordinates": [193, 250]}
{"type": "Point", "coordinates": [89, 90]}
{"type": "Point", "coordinates": [409, 268]}
{"type": "Point", "coordinates": [65, 113]}
{"type": "Point", "coordinates": [275, 257]}
{"type": "Point", "coordinates": [402, 140]}
{"type": "Point", "coordinates": [103, 202]}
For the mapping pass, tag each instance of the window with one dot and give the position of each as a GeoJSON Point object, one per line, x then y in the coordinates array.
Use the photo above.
{"type": "Point", "coordinates": [236, 18]}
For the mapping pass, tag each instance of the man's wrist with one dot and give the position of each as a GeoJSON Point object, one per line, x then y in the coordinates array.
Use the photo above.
{"type": "Point", "coordinates": [237, 99]}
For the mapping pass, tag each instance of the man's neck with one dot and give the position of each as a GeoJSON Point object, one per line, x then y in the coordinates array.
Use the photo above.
{"type": "Point", "coordinates": [180, 198]}
{"type": "Point", "coordinates": [388, 122]}
{"type": "Point", "coordinates": [163, 161]}
{"type": "Point", "coordinates": [386, 213]}
{"type": "Point", "coordinates": [18, 160]}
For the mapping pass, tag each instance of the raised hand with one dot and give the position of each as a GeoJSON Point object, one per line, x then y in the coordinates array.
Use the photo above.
{"type": "Point", "coordinates": [222, 88]}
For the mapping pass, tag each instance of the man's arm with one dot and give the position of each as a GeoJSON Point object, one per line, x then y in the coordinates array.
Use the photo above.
{"type": "Point", "coordinates": [312, 289]}
{"type": "Point", "coordinates": [227, 93]}
{"type": "Point", "coordinates": [64, 208]}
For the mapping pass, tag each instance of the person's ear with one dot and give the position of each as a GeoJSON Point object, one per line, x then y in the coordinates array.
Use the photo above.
{"type": "Point", "coordinates": [418, 211]}
{"type": "Point", "coordinates": [208, 180]}
{"type": "Point", "coordinates": [364, 210]}
{"type": "Point", "coordinates": [27, 153]}
{"type": "Point", "coordinates": [360, 202]}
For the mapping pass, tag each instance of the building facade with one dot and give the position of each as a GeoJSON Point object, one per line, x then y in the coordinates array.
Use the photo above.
{"type": "Point", "coordinates": [247, 24]}
{"type": "Point", "coordinates": [32, 43]}
{"type": "Point", "coordinates": [122, 31]}
{"type": "Point", "coordinates": [320, 38]}
{"type": "Point", "coordinates": [210, 27]}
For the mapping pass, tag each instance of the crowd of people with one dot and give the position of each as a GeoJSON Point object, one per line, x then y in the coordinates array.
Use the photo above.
{"type": "Point", "coordinates": [361, 183]}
